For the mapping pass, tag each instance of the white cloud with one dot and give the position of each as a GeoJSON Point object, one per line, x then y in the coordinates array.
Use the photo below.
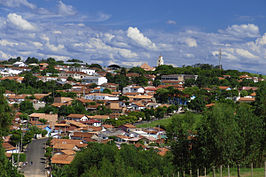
{"type": "Point", "coordinates": [4, 55]}
{"type": "Point", "coordinates": [171, 22]}
{"type": "Point", "coordinates": [64, 9]}
{"type": "Point", "coordinates": [191, 42]}
{"type": "Point", "coordinates": [57, 32]}
{"type": "Point", "coordinates": [245, 53]}
{"type": "Point", "coordinates": [54, 48]}
{"type": "Point", "coordinates": [19, 22]}
{"type": "Point", "coordinates": [127, 53]}
{"type": "Point", "coordinates": [37, 44]}
{"type": "Point", "coordinates": [133, 63]}
{"type": "Point", "coordinates": [244, 30]}
{"type": "Point", "coordinates": [17, 3]}
{"type": "Point", "coordinates": [261, 40]}
{"type": "Point", "coordinates": [138, 37]}
{"type": "Point", "coordinates": [7, 43]}
{"type": "Point", "coordinates": [189, 55]}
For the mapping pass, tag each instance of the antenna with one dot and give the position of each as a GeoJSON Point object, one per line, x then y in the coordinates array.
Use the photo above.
{"type": "Point", "coordinates": [220, 58]}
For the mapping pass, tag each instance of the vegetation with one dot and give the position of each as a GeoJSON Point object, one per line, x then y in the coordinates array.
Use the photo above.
{"type": "Point", "coordinates": [107, 160]}
{"type": "Point", "coordinates": [6, 167]}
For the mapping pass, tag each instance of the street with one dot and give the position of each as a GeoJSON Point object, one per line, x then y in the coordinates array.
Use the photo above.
{"type": "Point", "coordinates": [35, 154]}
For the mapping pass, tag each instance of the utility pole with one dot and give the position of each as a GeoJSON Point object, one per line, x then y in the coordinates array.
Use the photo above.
{"type": "Point", "coordinates": [220, 58]}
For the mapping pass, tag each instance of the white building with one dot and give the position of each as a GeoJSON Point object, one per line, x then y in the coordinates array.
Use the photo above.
{"type": "Point", "coordinates": [133, 89]}
{"type": "Point", "coordinates": [19, 64]}
{"type": "Point", "coordinates": [101, 96]}
{"type": "Point", "coordinates": [90, 72]}
{"type": "Point", "coordinates": [94, 79]}
{"type": "Point", "coordinates": [160, 61]}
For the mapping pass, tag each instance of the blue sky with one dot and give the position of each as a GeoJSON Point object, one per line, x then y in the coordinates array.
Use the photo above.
{"type": "Point", "coordinates": [129, 33]}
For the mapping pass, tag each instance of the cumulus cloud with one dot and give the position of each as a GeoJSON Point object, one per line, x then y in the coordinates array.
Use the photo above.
{"type": "Point", "coordinates": [191, 42]}
{"type": "Point", "coordinates": [17, 3]}
{"type": "Point", "coordinates": [19, 22]}
{"type": "Point", "coordinates": [7, 43]}
{"type": "Point", "coordinates": [245, 53]}
{"type": "Point", "coordinates": [139, 38]}
{"type": "Point", "coordinates": [244, 30]}
{"type": "Point", "coordinates": [171, 22]}
{"type": "Point", "coordinates": [261, 40]}
{"type": "Point", "coordinates": [64, 9]}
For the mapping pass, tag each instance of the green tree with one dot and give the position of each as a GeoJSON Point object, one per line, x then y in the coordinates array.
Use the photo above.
{"type": "Point", "coordinates": [106, 90]}
{"type": "Point", "coordinates": [252, 134]}
{"type": "Point", "coordinates": [26, 107]}
{"type": "Point", "coordinates": [218, 137]}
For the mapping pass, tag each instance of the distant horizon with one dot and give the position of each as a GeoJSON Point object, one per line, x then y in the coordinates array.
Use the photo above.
{"type": "Point", "coordinates": [130, 33]}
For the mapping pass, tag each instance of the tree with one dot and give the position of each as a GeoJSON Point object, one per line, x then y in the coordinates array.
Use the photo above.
{"type": "Point", "coordinates": [30, 60]}
{"type": "Point", "coordinates": [26, 107]}
{"type": "Point", "coordinates": [138, 70]}
{"type": "Point", "coordinates": [218, 137]}
{"type": "Point", "coordinates": [95, 66]}
{"type": "Point", "coordinates": [141, 80]}
{"type": "Point", "coordinates": [260, 101]}
{"type": "Point", "coordinates": [180, 136]}
{"type": "Point", "coordinates": [197, 104]}
{"type": "Point", "coordinates": [107, 160]}
{"type": "Point", "coordinates": [6, 167]}
{"type": "Point", "coordinates": [252, 133]}
{"type": "Point", "coordinates": [5, 116]}
{"type": "Point", "coordinates": [106, 90]}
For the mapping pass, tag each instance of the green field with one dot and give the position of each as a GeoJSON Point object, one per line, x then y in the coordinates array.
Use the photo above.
{"type": "Point", "coordinates": [244, 172]}
{"type": "Point", "coordinates": [164, 122]}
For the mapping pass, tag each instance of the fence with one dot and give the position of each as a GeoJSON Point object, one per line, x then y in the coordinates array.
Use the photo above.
{"type": "Point", "coordinates": [222, 171]}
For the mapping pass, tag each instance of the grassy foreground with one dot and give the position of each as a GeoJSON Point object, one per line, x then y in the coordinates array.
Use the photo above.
{"type": "Point", "coordinates": [164, 122]}
{"type": "Point", "coordinates": [244, 172]}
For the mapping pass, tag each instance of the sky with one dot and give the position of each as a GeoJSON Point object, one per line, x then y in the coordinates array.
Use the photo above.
{"type": "Point", "coordinates": [131, 32]}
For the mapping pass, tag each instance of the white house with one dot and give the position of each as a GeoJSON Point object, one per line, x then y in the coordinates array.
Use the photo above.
{"type": "Point", "coordinates": [19, 64]}
{"type": "Point", "coordinates": [94, 79]}
{"type": "Point", "coordinates": [133, 89]}
{"type": "Point", "coordinates": [90, 72]}
{"type": "Point", "coordinates": [101, 96]}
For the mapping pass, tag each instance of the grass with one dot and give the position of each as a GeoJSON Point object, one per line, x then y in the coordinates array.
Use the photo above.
{"type": "Point", "coordinates": [244, 172]}
{"type": "Point", "coordinates": [165, 122]}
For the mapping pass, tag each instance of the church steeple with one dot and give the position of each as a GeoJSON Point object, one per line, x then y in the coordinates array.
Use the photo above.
{"type": "Point", "coordinates": [160, 61]}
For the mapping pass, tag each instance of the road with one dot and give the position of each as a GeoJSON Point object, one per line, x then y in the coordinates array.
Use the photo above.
{"type": "Point", "coordinates": [35, 154]}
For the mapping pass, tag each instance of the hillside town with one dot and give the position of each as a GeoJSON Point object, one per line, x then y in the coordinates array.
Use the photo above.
{"type": "Point", "coordinates": [73, 103]}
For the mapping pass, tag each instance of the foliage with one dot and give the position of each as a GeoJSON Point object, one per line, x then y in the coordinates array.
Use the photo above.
{"type": "Point", "coordinates": [30, 60]}
{"type": "Point", "coordinates": [75, 60]}
{"type": "Point", "coordinates": [26, 107]}
{"type": "Point", "coordinates": [6, 167]}
{"type": "Point", "coordinates": [22, 157]}
{"type": "Point", "coordinates": [5, 116]}
{"type": "Point", "coordinates": [106, 90]}
{"type": "Point", "coordinates": [107, 160]}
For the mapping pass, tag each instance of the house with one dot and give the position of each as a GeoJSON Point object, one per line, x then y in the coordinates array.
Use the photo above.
{"type": "Point", "coordinates": [62, 99]}
{"type": "Point", "coordinates": [77, 117]}
{"type": "Point", "coordinates": [178, 77]}
{"type": "Point", "coordinates": [51, 118]}
{"type": "Point", "coordinates": [146, 67]}
{"type": "Point", "coordinates": [115, 107]}
{"type": "Point", "coordinates": [75, 124]}
{"type": "Point", "coordinates": [99, 117]}
{"type": "Point", "coordinates": [73, 74]}
{"type": "Point", "coordinates": [246, 99]}
{"type": "Point", "coordinates": [62, 159]}
{"type": "Point", "coordinates": [99, 80]}
{"type": "Point", "coordinates": [127, 127]}
{"type": "Point", "coordinates": [89, 72]}
{"type": "Point", "coordinates": [9, 148]}
{"type": "Point", "coordinates": [101, 96]}
{"type": "Point", "coordinates": [19, 64]}
{"type": "Point", "coordinates": [133, 89]}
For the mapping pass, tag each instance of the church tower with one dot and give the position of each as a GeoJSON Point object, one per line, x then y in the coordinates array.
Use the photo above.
{"type": "Point", "coordinates": [160, 61]}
